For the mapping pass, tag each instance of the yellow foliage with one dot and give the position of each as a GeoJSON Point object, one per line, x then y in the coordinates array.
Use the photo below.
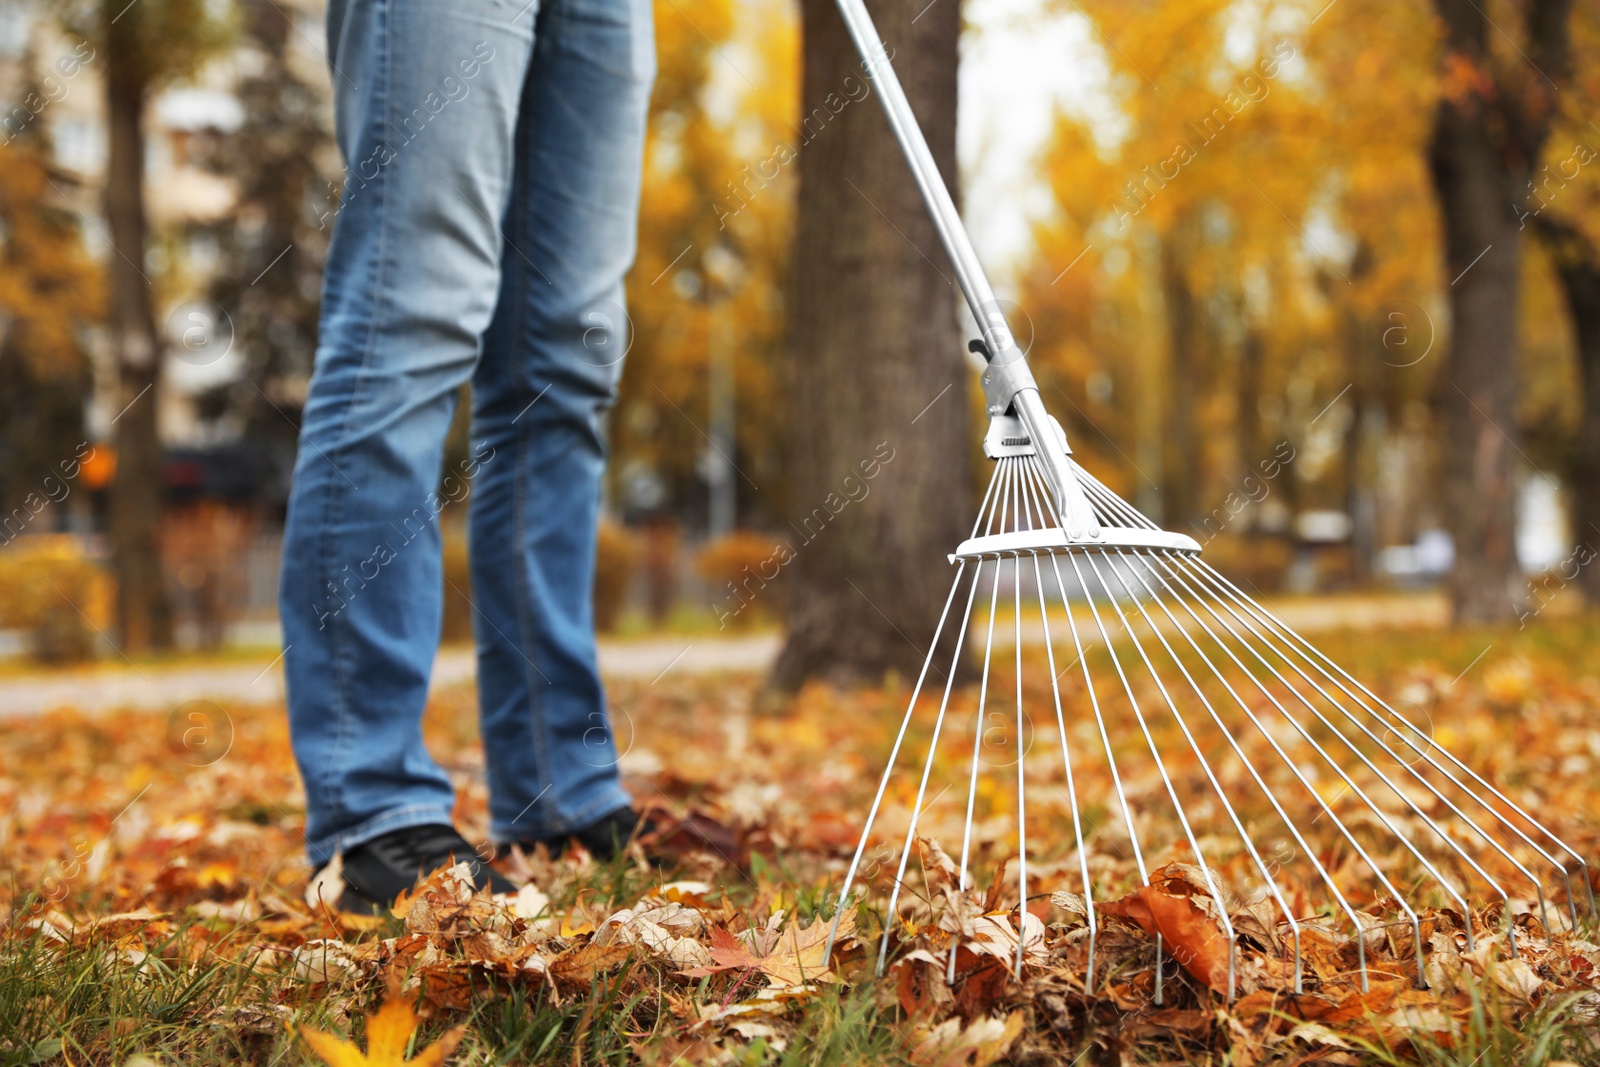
{"type": "Point", "coordinates": [713, 240]}
{"type": "Point", "coordinates": [389, 1031]}
{"type": "Point", "coordinates": [50, 588]}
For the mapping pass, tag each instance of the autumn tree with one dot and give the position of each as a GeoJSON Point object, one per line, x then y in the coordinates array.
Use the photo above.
{"type": "Point", "coordinates": [49, 293]}
{"type": "Point", "coordinates": [268, 278]}
{"type": "Point", "coordinates": [1563, 212]}
{"type": "Point", "coordinates": [878, 380]}
{"type": "Point", "coordinates": [146, 46]}
{"type": "Point", "coordinates": [1490, 125]}
{"type": "Point", "coordinates": [712, 270]}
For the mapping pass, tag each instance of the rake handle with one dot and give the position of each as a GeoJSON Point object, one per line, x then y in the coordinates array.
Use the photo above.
{"type": "Point", "coordinates": [1007, 382]}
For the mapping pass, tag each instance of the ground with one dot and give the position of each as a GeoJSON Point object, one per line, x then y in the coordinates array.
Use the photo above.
{"type": "Point", "coordinates": [155, 889]}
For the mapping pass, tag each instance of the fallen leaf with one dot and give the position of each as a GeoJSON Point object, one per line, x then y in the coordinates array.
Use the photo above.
{"type": "Point", "coordinates": [980, 1044]}
{"type": "Point", "coordinates": [580, 966]}
{"type": "Point", "coordinates": [1188, 933]}
{"type": "Point", "coordinates": [389, 1030]}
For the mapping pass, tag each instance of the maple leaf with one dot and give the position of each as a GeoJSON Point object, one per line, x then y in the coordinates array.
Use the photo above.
{"type": "Point", "coordinates": [794, 960]}
{"type": "Point", "coordinates": [389, 1030]}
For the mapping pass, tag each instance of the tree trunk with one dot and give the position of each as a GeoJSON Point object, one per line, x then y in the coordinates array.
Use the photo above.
{"type": "Point", "coordinates": [879, 380]}
{"type": "Point", "coordinates": [1181, 507]}
{"type": "Point", "coordinates": [143, 618]}
{"type": "Point", "coordinates": [1488, 131]}
{"type": "Point", "coordinates": [1577, 264]}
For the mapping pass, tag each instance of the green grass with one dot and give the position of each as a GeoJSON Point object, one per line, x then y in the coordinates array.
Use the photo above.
{"type": "Point", "coordinates": [64, 1004]}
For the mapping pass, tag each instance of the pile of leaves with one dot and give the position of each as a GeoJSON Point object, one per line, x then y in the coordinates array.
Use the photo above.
{"type": "Point", "coordinates": [156, 904]}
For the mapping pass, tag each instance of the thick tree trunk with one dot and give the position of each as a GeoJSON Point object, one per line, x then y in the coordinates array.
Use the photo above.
{"type": "Point", "coordinates": [1577, 263]}
{"type": "Point", "coordinates": [143, 618]}
{"type": "Point", "coordinates": [879, 380]}
{"type": "Point", "coordinates": [1487, 134]}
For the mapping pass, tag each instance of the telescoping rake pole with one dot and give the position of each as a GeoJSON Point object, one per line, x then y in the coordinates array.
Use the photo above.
{"type": "Point", "coordinates": [1251, 732]}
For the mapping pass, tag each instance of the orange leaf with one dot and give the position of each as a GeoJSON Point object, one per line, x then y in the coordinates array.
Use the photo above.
{"type": "Point", "coordinates": [389, 1030]}
{"type": "Point", "coordinates": [1187, 931]}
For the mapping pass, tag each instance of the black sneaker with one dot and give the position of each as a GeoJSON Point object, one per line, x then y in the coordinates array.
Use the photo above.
{"type": "Point", "coordinates": [376, 872]}
{"type": "Point", "coordinates": [664, 842]}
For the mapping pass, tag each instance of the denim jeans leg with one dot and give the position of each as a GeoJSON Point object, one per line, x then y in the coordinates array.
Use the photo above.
{"type": "Point", "coordinates": [426, 98]}
{"type": "Point", "coordinates": [551, 361]}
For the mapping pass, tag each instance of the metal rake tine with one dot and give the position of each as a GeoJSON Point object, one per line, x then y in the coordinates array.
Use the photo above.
{"type": "Point", "coordinates": [894, 752]}
{"type": "Point", "coordinates": [1066, 754]}
{"type": "Point", "coordinates": [927, 769]}
{"type": "Point", "coordinates": [1155, 753]}
{"type": "Point", "coordinates": [888, 770]}
{"type": "Point", "coordinates": [1105, 738]}
{"type": "Point", "coordinates": [1022, 803]}
{"type": "Point", "coordinates": [1272, 798]}
{"type": "Point", "coordinates": [1431, 788]}
{"type": "Point", "coordinates": [1311, 790]}
{"type": "Point", "coordinates": [1321, 662]}
{"type": "Point", "coordinates": [1227, 805]}
{"type": "Point", "coordinates": [1382, 816]}
{"type": "Point", "coordinates": [977, 737]}
{"type": "Point", "coordinates": [933, 742]}
{"type": "Point", "coordinates": [1114, 505]}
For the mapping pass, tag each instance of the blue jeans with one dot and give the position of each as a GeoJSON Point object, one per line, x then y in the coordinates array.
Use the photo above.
{"type": "Point", "coordinates": [493, 156]}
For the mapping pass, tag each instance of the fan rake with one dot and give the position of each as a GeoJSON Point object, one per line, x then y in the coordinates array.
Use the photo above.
{"type": "Point", "coordinates": [1185, 692]}
{"type": "Point", "coordinates": [1254, 735]}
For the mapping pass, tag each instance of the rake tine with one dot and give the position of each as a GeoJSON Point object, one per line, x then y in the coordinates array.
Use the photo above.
{"type": "Point", "coordinates": [1155, 754]}
{"type": "Point", "coordinates": [1382, 816]}
{"type": "Point", "coordinates": [1233, 816]}
{"type": "Point", "coordinates": [1066, 753]}
{"type": "Point", "coordinates": [1426, 784]}
{"type": "Point", "coordinates": [1311, 790]}
{"type": "Point", "coordinates": [888, 771]}
{"type": "Point", "coordinates": [977, 734]}
{"type": "Point", "coordinates": [900, 736]}
{"type": "Point", "coordinates": [1304, 647]}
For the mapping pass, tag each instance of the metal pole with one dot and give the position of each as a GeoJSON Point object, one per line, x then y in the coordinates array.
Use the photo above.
{"type": "Point", "coordinates": [1008, 381]}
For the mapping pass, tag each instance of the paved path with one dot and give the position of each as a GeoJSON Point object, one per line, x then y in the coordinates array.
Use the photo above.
{"type": "Point", "coordinates": [163, 688]}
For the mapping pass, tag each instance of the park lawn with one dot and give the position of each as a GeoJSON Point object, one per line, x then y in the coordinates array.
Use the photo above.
{"type": "Point", "coordinates": [153, 886]}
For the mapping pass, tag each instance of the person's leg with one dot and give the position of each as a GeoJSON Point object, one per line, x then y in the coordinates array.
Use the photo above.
{"type": "Point", "coordinates": [426, 98]}
{"type": "Point", "coordinates": [549, 373]}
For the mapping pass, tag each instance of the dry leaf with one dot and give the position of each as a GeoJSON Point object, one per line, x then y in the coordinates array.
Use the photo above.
{"type": "Point", "coordinates": [580, 966]}
{"type": "Point", "coordinates": [980, 1044]}
{"type": "Point", "coordinates": [389, 1030]}
{"type": "Point", "coordinates": [1188, 933]}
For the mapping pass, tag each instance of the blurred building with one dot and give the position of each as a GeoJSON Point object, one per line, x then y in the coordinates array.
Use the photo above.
{"type": "Point", "coordinates": [50, 80]}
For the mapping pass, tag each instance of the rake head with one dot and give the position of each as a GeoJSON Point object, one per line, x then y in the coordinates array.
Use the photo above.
{"type": "Point", "coordinates": [1130, 688]}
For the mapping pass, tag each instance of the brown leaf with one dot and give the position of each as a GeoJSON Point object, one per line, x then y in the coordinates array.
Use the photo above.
{"type": "Point", "coordinates": [1187, 932]}
{"type": "Point", "coordinates": [580, 966]}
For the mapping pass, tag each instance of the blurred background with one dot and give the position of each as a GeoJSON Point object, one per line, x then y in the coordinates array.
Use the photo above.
{"type": "Point", "coordinates": [1316, 283]}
